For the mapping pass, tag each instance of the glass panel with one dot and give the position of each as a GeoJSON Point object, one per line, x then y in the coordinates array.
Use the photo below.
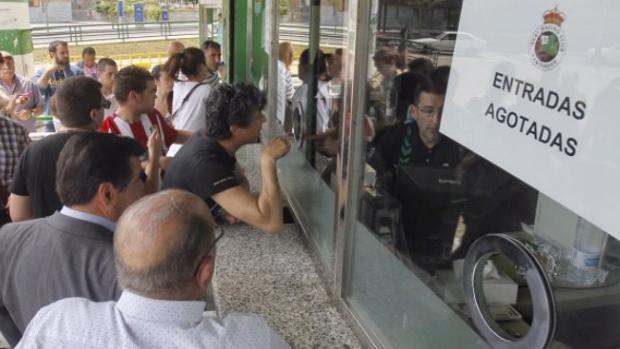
{"type": "Point", "coordinates": [309, 101]}
{"type": "Point", "coordinates": [425, 199]}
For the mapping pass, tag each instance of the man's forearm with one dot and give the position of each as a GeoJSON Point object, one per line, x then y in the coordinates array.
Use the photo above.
{"type": "Point", "coordinates": [152, 173]}
{"type": "Point", "coordinates": [270, 198]}
{"type": "Point", "coordinates": [44, 80]}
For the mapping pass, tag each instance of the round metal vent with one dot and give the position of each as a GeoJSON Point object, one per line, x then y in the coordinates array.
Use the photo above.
{"type": "Point", "coordinates": [544, 319]}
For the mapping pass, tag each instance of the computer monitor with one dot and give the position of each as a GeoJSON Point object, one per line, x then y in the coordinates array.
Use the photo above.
{"type": "Point", "coordinates": [432, 201]}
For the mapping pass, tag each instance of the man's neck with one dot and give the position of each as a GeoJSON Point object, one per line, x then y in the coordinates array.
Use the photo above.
{"type": "Point", "coordinates": [106, 91]}
{"type": "Point", "coordinates": [430, 143]}
{"type": "Point", "coordinates": [230, 146]}
{"type": "Point", "coordinates": [128, 114]}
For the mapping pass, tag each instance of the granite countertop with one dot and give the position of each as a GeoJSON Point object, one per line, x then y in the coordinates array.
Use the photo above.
{"type": "Point", "coordinates": [274, 276]}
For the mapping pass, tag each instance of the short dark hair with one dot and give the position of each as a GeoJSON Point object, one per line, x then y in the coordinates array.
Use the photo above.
{"type": "Point", "coordinates": [403, 85]}
{"type": "Point", "coordinates": [232, 105]}
{"type": "Point", "coordinates": [211, 44]}
{"type": "Point", "coordinates": [320, 64]}
{"type": "Point", "coordinates": [441, 75]}
{"type": "Point", "coordinates": [104, 63]}
{"type": "Point", "coordinates": [54, 45]}
{"type": "Point", "coordinates": [131, 78]}
{"type": "Point", "coordinates": [421, 65]}
{"type": "Point", "coordinates": [187, 62]}
{"type": "Point", "coordinates": [88, 51]}
{"type": "Point", "coordinates": [89, 159]}
{"type": "Point", "coordinates": [75, 98]}
{"type": "Point", "coordinates": [428, 85]}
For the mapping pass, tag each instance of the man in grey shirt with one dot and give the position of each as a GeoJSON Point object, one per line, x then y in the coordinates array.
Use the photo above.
{"type": "Point", "coordinates": [69, 253]}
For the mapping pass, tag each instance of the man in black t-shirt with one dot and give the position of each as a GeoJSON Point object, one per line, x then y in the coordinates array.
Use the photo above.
{"type": "Point", "coordinates": [417, 141]}
{"type": "Point", "coordinates": [33, 194]}
{"type": "Point", "coordinates": [428, 219]}
{"type": "Point", "coordinates": [206, 165]}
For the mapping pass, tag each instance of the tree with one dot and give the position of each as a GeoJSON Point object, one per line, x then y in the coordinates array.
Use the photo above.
{"type": "Point", "coordinates": [422, 8]}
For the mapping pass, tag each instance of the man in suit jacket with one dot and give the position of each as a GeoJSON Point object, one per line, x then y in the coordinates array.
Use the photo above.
{"type": "Point", "coordinates": [70, 253]}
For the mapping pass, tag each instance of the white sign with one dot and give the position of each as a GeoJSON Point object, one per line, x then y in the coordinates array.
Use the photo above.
{"type": "Point", "coordinates": [541, 98]}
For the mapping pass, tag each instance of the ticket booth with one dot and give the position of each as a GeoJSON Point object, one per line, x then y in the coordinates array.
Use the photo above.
{"type": "Point", "coordinates": [484, 216]}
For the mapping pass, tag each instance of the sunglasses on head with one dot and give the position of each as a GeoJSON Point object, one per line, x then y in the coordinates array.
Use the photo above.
{"type": "Point", "coordinates": [105, 104]}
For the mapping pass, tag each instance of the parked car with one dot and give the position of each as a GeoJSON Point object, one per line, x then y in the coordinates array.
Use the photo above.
{"type": "Point", "coordinates": [445, 43]}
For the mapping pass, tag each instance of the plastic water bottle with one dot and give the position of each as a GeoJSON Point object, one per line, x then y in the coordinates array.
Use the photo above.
{"type": "Point", "coordinates": [585, 260]}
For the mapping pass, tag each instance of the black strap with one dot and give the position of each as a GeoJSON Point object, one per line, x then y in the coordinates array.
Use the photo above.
{"type": "Point", "coordinates": [186, 99]}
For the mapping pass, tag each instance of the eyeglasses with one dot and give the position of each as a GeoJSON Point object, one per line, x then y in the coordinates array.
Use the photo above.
{"type": "Point", "coordinates": [219, 236]}
{"type": "Point", "coordinates": [105, 104]}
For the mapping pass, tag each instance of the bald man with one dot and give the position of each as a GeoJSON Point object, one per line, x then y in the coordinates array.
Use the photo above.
{"type": "Point", "coordinates": [165, 256]}
{"type": "Point", "coordinates": [175, 47]}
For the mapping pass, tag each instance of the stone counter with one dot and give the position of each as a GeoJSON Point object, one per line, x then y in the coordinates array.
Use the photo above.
{"type": "Point", "coordinates": [274, 276]}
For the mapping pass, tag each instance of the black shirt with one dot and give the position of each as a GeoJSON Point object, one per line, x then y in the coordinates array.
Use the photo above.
{"type": "Point", "coordinates": [35, 175]}
{"type": "Point", "coordinates": [202, 167]}
{"type": "Point", "coordinates": [390, 151]}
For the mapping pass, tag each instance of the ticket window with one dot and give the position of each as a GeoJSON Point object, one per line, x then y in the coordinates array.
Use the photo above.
{"type": "Point", "coordinates": [426, 198]}
{"type": "Point", "coordinates": [311, 71]}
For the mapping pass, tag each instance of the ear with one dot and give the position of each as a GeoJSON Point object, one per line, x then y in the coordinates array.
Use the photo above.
{"type": "Point", "coordinates": [106, 198]}
{"type": "Point", "coordinates": [133, 95]}
{"type": "Point", "coordinates": [93, 115]}
{"type": "Point", "coordinates": [205, 271]}
{"type": "Point", "coordinates": [233, 130]}
{"type": "Point", "coordinates": [413, 111]}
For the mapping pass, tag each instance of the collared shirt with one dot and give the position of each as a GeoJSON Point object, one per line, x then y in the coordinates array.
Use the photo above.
{"type": "Point", "coordinates": [13, 141]}
{"type": "Point", "coordinates": [22, 85]}
{"type": "Point", "coordinates": [140, 322]}
{"type": "Point", "coordinates": [83, 216]}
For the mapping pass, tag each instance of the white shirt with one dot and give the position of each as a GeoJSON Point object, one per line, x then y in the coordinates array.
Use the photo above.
{"type": "Point", "coordinates": [190, 116]}
{"type": "Point", "coordinates": [285, 90]}
{"type": "Point", "coordinates": [113, 105]}
{"type": "Point", "coordinates": [140, 322]}
{"type": "Point", "coordinates": [300, 105]}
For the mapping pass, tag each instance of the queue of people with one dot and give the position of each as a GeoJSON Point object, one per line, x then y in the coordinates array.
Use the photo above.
{"type": "Point", "coordinates": [112, 240]}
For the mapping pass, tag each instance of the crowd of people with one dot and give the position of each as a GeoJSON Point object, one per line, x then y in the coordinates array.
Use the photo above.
{"type": "Point", "coordinates": [109, 233]}
{"type": "Point", "coordinates": [117, 209]}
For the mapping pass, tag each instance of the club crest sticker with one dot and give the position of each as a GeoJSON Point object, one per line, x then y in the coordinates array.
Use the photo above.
{"type": "Point", "coordinates": [548, 42]}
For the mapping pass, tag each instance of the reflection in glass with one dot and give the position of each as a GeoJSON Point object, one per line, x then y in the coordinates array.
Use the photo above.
{"type": "Point", "coordinates": [426, 199]}
{"type": "Point", "coordinates": [507, 296]}
{"type": "Point", "coordinates": [310, 87]}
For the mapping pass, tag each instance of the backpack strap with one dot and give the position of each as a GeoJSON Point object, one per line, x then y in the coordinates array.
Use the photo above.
{"type": "Point", "coordinates": [186, 99]}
